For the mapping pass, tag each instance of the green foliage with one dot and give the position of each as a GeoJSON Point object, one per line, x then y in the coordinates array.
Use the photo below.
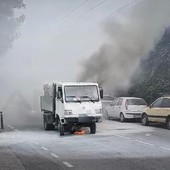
{"type": "Point", "coordinates": [9, 23]}
{"type": "Point", "coordinates": [154, 79]}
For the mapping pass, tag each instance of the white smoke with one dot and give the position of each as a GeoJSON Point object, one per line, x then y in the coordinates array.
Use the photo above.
{"type": "Point", "coordinates": [129, 40]}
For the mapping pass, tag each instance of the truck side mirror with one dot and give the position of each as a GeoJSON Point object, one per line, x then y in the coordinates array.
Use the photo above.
{"type": "Point", "coordinates": [101, 93]}
{"type": "Point", "coordinates": [59, 95]}
{"type": "Point", "coordinates": [61, 100]}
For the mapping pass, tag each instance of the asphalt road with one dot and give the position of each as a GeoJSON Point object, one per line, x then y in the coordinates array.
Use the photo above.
{"type": "Point", "coordinates": [115, 146]}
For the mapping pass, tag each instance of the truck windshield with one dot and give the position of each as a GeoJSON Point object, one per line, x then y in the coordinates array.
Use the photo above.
{"type": "Point", "coordinates": [81, 93]}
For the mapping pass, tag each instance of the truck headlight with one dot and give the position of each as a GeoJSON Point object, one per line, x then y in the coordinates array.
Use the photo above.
{"type": "Point", "coordinates": [98, 111]}
{"type": "Point", "coordinates": [68, 112]}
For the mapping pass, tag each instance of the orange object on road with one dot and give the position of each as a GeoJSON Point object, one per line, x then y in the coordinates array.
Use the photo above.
{"type": "Point", "coordinates": [80, 132]}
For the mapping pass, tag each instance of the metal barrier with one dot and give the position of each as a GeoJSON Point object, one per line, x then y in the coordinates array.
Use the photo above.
{"type": "Point", "coordinates": [2, 122]}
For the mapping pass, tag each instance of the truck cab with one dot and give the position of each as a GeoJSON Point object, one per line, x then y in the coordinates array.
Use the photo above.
{"type": "Point", "coordinates": [71, 106]}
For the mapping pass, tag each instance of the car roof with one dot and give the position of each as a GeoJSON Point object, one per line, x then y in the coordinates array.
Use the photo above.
{"type": "Point", "coordinates": [166, 97]}
{"type": "Point", "coordinates": [129, 97]}
{"type": "Point", "coordinates": [107, 97]}
{"type": "Point", "coordinates": [72, 83]}
{"type": "Point", "coordinates": [76, 83]}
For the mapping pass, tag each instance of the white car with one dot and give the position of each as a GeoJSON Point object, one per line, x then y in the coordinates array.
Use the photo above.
{"type": "Point", "coordinates": [126, 108]}
{"type": "Point", "coordinates": [106, 101]}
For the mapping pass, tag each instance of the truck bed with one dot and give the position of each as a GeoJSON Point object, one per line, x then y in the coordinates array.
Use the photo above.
{"type": "Point", "coordinates": [46, 103]}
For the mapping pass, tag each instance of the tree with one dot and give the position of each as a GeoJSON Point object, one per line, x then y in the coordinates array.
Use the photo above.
{"type": "Point", "coordinates": [154, 79]}
{"type": "Point", "coordinates": [9, 23]}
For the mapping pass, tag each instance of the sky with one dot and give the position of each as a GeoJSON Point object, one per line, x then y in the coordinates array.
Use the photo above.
{"type": "Point", "coordinates": [45, 52]}
{"type": "Point", "coordinates": [52, 47]}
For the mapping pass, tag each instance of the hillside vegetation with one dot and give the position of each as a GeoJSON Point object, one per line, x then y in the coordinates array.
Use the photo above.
{"type": "Point", "coordinates": [154, 78]}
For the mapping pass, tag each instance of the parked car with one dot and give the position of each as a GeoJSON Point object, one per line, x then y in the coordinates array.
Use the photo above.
{"type": "Point", "coordinates": [106, 101]}
{"type": "Point", "coordinates": [158, 111]}
{"type": "Point", "coordinates": [126, 108]}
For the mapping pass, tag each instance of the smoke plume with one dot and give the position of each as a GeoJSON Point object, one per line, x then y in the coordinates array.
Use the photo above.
{"type": "Point", "coordinates": [130, 38]}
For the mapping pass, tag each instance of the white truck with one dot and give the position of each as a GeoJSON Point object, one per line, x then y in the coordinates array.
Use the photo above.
{"type": "Point", "coordinates": [70, 106]}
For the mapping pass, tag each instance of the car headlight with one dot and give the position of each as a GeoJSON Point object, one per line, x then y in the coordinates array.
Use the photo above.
{"type": "Point", "coordinates": [98, 111]}
{"type": "Point", "coordinates": [68, 112]}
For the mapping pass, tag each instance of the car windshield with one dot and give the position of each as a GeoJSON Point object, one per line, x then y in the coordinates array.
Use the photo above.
{"type": "Point", "coordinates": [81, 93]}
{"type": "Point", "coordinates": [136, 102]}
{"type": "Point", "coordinates": [165, 103]}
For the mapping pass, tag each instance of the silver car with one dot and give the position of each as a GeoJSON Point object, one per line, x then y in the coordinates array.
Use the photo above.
{"type": "Point", "coordinates": [125, 108]}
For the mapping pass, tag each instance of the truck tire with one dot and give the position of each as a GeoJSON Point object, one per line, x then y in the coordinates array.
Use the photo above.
{"type": "Point", "coordinates": [61, 129]}
{"type": "Point", "coordinates": [93, 128]}
{"type": "Point", "coordinates": [48, 126]}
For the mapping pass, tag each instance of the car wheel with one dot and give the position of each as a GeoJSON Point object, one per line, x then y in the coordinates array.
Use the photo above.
{"type": "Point", "coordinates": [122, 117]}
{"type": "Point", "coordinates": [168, 123]}
{"type": "Point", "coordinates": [145, 121]}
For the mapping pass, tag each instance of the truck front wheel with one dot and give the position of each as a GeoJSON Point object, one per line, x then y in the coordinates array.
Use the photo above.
{"type": "Point", "coordinates": [93, 128]}
{"type": "Point", "coordinates": [61, 128]}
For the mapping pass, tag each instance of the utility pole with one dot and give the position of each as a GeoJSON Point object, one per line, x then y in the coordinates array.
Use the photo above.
{"type": "Point", "coordinates": [2, 123]}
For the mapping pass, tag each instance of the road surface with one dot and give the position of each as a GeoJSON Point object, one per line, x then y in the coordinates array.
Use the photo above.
{"type": "Point", "coordinates": [115, 146]}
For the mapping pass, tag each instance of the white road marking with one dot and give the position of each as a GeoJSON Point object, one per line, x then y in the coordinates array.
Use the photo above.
{"type": "Point", "coordinates": [145, 143]}
{"type": "Point", "coordinates": [44, 148]}
{"type": "Point", "coordinates": [36, 143]}
{"type": "Point", "coordinates": [168, 149]}
{"type": "Point", "coordinates": [148, 134]}
{"type": "Point", "coordinates": [68, 164]}
{"type": "Point", "coordinates": [122, 137]}
{"type": "Point", "coordinates": [11, 127]}
{"type": "Point", "coordinates": [54, 155]}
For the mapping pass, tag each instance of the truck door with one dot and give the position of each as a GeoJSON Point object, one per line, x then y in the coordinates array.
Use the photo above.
{"type": "Point", "coordinates": [60, 103]}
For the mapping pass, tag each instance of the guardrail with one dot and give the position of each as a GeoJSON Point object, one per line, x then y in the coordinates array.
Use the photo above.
{"type": "Point", "coordinates": [2, 122]}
